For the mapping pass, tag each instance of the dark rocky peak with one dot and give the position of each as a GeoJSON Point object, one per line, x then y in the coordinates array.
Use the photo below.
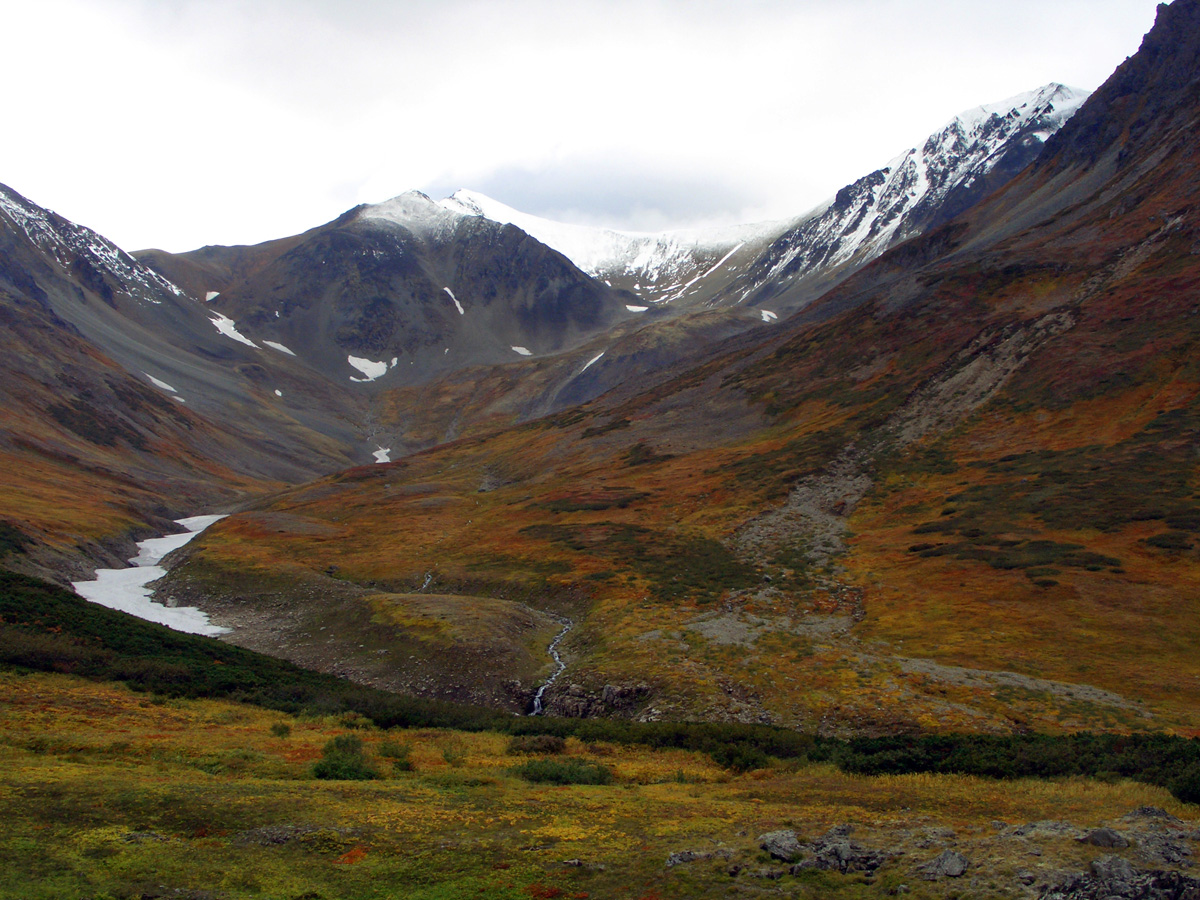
{"type": "Point", "coordinates": [1153, 96]}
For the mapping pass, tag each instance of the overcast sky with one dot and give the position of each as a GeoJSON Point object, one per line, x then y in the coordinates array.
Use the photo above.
{"type": "Point", "coordinates": [179, 123]}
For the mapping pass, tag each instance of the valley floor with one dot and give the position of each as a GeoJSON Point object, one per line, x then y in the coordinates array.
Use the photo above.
{"type": "Point", "coordinates": [106, 793]}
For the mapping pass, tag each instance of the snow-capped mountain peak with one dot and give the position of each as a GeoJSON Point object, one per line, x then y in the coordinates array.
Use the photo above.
{"type": "Point", "coordinates": [974, 153]}
{"type": "Point", "coordinates": [660, 267]}
{"type": "Point", "coordinates": [416, 211]}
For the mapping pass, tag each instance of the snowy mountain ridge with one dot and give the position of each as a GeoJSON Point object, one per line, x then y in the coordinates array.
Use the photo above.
{"type": "Point", "coordinates": [655, 265]}
{"type": "Point", "coordinates": [69, 243]}
{"type": "Point", "coordinates": [919, 188]}
{"type": "Point", "coordinates": [916, 190]}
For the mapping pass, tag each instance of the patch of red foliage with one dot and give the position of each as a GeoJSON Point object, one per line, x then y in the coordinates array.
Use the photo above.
{"type": "Point", "coordinates": [350, 857]}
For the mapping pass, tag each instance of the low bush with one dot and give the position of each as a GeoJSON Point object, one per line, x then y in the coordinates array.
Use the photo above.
{"type": "Point", "coordinates": [399, 754]}
{"type": "Point", "coordinates": [570, 771]}
{"type": "Point", "coordinates": [345, 760]}
{"type": "Point", "coordinates": [537, 743]}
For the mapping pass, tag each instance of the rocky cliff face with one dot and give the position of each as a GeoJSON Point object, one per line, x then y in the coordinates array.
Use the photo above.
{"type": "Point", "coordinates": [1150, 99]}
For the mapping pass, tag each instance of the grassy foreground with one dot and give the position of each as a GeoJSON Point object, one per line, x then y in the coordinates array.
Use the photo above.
{"type": "Point", "coordinates": [109, 793]}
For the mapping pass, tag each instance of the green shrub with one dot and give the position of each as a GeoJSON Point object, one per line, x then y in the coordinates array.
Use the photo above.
{"type": "Point", "coordinates": [345, 760]}
{"type": "Point", "coordinates": [399, 754]}
{"type": "Point", "coordinates": [570, 771]}
{"type": "Point", "coordinates": [537, 743]}
{"type": "Point", "coordinates": [1187, 786]}
{"type": "Point", "coordinates": [454, 752]}
{"type": "Point", "coordinates": [281, 729]}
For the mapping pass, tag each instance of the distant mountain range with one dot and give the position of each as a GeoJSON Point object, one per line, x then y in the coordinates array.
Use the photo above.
{"type": "Point", "coordinates": [312, 351]}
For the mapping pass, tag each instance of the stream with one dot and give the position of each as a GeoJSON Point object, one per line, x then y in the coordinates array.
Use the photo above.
{"type": "Point", "coordinates": [554, 654]}
{"type": "Point", "coordinates": [127, 590]}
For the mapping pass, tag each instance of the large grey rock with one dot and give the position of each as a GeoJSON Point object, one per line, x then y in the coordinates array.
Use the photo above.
{"type": "Point", "coordinates": [782, 845]}
{"type": "Point", "coordinates": [1113, 870]}
{"type": "Point", "coordinates": [947, 864]}
{"type": "Point", "coordinates": [835, 852]}
{"type": "Point", "coordinates": [1105, 837]}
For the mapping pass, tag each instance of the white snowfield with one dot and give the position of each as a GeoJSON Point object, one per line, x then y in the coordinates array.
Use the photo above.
{"type": "Point", "coordinates": [275, 345]}
{"type": "Point", "coordinates": [370, 369]}
{"type": "Point", "coordinates": [524, 351]}
{"type": "Point", "coordinates": [383, 454]}
{"type": "Point", "coordinates": [592, 361]}
{"type": "Point", "coordinates": [158, 383]}
{"type": "Point", "coordinates": [457, 305]}
{"type": "Point", "coordinates": [228, 327]}
{"type": "Point", "coordinates": [127, 590]}
{"type": "Point", "coordinates": [861, 222]}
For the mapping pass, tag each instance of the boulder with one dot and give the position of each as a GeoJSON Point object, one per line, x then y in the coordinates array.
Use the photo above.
{"type": "Point", "coordinates": [1105, 837]}
{"type": "Point", "coordinates": [947, 864]}
{"type": "Point", "coordinates": [782, 845]}
{"type": "Point", "coordinates": [835, 852]}
{"type": "Point", "coordinates": [1113, 870]}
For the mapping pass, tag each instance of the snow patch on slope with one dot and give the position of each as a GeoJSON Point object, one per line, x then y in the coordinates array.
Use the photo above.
{"type": "Point", "coordinates": [457, 305]}
{"type": "Point", "coordinates": [228, 327]}
{"type": "Point", "coordinates": [159, 383]}
{"type": "Point", "coordinates": [127, 590]}
{"type": "Point", "coordinates": [369, 368]}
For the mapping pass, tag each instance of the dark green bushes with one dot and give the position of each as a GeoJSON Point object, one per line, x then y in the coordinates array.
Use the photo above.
{"type": "Point", "coordinates": [345, 760]}
{"type": "Point", "coordinates": [45, 628]}
{"type": "Point", "coordinates": [537, 743]}
{"type": "Point", "coordinates": [570, 771]}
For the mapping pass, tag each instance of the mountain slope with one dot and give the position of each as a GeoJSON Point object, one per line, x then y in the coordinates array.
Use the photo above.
{"type": "Point", "coordinates": [957, 492]}
{"type": "Point", "coordinates": [658, 268]}
{"type": "Point", "coordinates": [922, 188]}
{"type": "Point", "coordinates": [408, 289]}
{"type": "Point", "coordinates": [125, 405]}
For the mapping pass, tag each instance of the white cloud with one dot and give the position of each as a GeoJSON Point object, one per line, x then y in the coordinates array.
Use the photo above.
{"type": "Point", "coordinates": [177, 123]}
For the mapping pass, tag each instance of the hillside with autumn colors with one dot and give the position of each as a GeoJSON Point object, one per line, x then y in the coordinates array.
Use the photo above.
{"type": "Point", "coordinates": [958, 492]}
{"type": "Point", "coordinates": [891, 591]}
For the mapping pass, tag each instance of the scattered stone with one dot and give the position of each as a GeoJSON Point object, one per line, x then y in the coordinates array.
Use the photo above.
{"type": "Point", "coordinates": [1045, 828]}
{"type": "Point", "coordinates": [141, 837]}
{"type": "Point", "coordinates": [947, 864]}
{"type": "Point", "coordinates": [687, 856]}
{"type": "Point", "coordinates": [936, 837]}
{"type": "Point", "coordinates": [834, 852]}
{"type": "Point", "coordinates": [769, 874]}
{"type": "Point", "coordinates": [1026, 877]}
{"type": "Point", "coordinates": [1153, 812]}
{"type": "Point", "coordinates": [1154, 885]}
{"type": "Point", "coordinates": [1105, 837]}
{"type": "Point", "coordinates": [1113, 869]}
{"type": "Point", "coordinates": [735, 870]}
{"type": "Point", "coordinates": [1164, 849]}
{"type": "Point", "coordinates": [782, 845]}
